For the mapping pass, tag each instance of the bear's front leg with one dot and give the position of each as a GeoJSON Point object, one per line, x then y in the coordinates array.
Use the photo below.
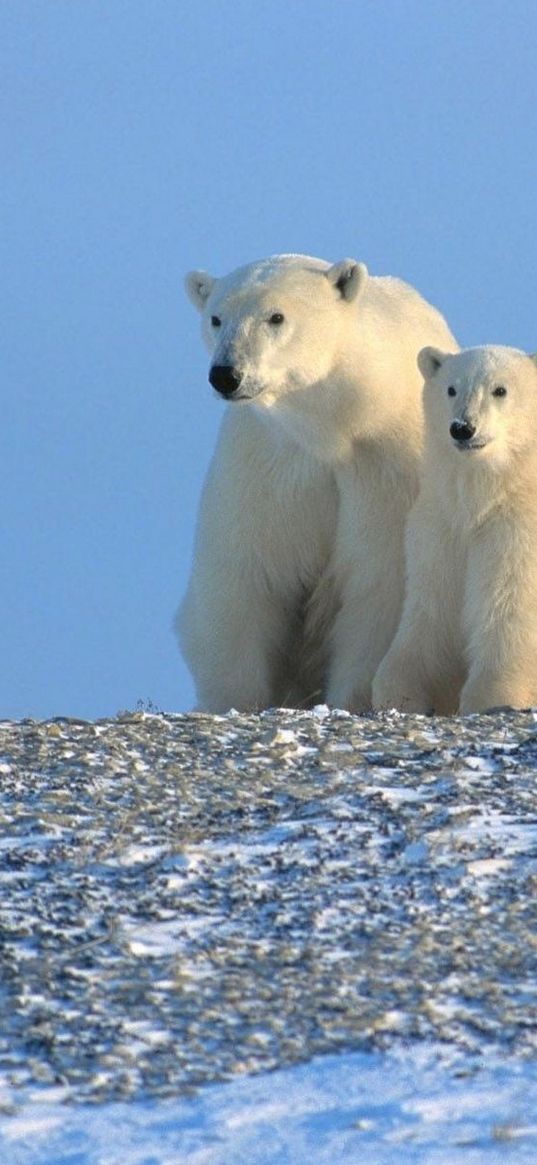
{"type": "Point", "coordinates": [423, 671]}
{"type": "Point", "coordinates": [231, 645]}
{"type": "Point", "coordinates": [368, 566]}
{"type": "Point", "coordinates": [500, 619]}
{"type": "Point", "coordinates": [401, 682]}
{"type": "Point", "coordinates": [505, 680]}
{"type": "Point", "coordinates": [264, 531]}
{"type": "Point", "coordinates": [485, 691]}
{"type": "Point", "coordinates": [360, 637]}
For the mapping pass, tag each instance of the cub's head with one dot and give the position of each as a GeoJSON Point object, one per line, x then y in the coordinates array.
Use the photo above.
{"type": "Point", "coordinates": [481, 402]}
{"type": "Point", "coordinates": [274, 325]}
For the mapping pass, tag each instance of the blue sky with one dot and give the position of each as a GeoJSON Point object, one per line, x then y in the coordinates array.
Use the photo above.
{"type": "Point", "coordinates": [145, 138]}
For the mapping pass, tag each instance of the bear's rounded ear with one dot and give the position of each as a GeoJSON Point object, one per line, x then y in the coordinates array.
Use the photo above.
{"type": "Point", "coordinates": [429, 361]}
{"type": "Point", "coordinates": [199, 285]}
{"type": "Point", "coordinates": [348, 277]}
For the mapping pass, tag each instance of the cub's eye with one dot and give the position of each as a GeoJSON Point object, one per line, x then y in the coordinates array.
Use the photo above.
{"type": "Point", "coordinates": [499, 391]}
{"type": "Point", "coordinates": [276, 318]}
{"type": "Point", "coordinates": [452, 391]}
{"type": "Point", "coordinates": [216, 321]}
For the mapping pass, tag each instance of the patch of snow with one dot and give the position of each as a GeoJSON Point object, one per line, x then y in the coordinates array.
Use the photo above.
{"type": "Point", "coordinates": [153, 940]}
{"type": "Point", "coordinates": [515, 836]}
{"type": "Point", "coordinates": [481, 764]}
{"type": "Point", "coordinates": [423, 1105]}
{"type": "Point", "coordinates": [416, 853]}
{"type": "Point", "coordinates": [30, 840]}
{"type": "Point", "coordinates": [488, 867]}
{"type": "Point", "coordinates": [284, 736]}
{"type": "Point", "coordinates": [134, 855]}
{"type": "Point", "coordinates": [397, 795]}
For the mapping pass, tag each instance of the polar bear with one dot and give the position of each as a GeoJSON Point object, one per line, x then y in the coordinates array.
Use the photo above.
{"type": "Point", "coordinates": [467, 640]}
{"type": "Point", "coordinates": [297, 579]}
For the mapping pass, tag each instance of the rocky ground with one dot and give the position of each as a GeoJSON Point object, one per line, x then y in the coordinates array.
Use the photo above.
{"type": "Point", "coordinates": [186, 898]}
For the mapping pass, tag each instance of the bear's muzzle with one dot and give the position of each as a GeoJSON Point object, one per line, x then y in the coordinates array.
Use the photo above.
{"type": "Point", "coordinates": [225, 379]}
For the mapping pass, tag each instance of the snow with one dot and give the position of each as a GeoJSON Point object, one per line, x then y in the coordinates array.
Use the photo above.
{"type": "Point", "coordinates": [423, 1105]}
{"type": "Point", "coordinates": [298, 938]}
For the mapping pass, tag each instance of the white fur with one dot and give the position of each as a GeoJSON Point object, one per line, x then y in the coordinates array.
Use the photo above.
{"type": "Point", "coordinates": [297, 581]}
{"type": "Point", "coordinates": [467, 640]}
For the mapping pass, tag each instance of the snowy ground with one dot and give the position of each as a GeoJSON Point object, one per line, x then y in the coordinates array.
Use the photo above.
{"type": "Point", "coordinates": [293, 938]}
{"type": "Point", "coordinates": [417, 1106]}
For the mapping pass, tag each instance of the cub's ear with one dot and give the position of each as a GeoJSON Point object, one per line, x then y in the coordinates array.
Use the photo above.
{"type": "Point", "coordinates": [430, 360]}
{"type": "Point", "coordinates": [348, 277]}
{"type": "Point", "coordinates": [198, 287]}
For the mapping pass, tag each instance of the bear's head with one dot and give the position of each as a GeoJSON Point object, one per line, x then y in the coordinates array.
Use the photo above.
{"type": "Point", "coordinates": [481, 402]}
{"type": "Point", "coordinates": [274, 326]}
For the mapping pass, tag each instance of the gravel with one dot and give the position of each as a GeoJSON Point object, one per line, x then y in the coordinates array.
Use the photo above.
{"type": "Point", "coordinates": [187, 898]}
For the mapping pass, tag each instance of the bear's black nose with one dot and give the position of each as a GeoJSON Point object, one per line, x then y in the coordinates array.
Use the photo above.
{"type": "Point", "coordinates": [225, 379]}
{"type": "Point", "coordinates": [462, 431]}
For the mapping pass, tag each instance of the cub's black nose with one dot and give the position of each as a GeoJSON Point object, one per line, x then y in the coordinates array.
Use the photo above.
{"type": "Point", "coordinates": [224, 378]}
{"type": "Point", "coordinates": [462, 431]}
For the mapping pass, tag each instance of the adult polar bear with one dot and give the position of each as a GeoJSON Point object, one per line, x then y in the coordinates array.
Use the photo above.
{"type": "Point", "coordinates": [297, 580]}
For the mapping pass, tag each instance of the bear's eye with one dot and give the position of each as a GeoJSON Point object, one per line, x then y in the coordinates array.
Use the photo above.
{"type": "Point", "coordinates": [216, 321]}
{"type": "Point", "coordinates": [452, 391]}
{"type": "Point", "coordinates": [276, 318]}
{"type": "Point", "coordinates": [499, 391]}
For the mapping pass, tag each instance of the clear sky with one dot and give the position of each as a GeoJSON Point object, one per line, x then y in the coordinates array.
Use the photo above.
{"type": "Point", "coordinates": [146, 137]}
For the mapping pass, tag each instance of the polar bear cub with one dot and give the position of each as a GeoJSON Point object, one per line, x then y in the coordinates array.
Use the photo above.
{"type": "Point", "coordinates": [468, 634]}
{"type": "Point", "coordinates": [297, 578]}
